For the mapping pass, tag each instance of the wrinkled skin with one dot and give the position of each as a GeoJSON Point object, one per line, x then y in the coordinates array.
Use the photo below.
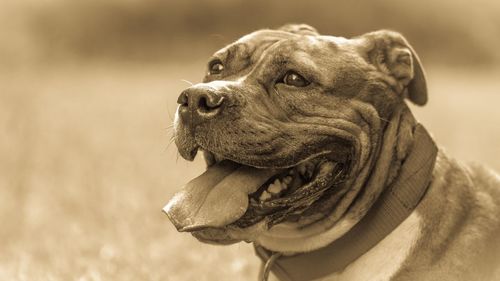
{"type": "Point", "coordinates": [265, 122]}
{"type": "Point", "coordinates": [352, 110]}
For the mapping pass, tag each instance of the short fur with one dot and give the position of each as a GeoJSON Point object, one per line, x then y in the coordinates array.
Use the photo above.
{"type": "Point", "coordinates": [355, 106]}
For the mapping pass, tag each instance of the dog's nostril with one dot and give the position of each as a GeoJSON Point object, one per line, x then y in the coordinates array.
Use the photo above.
{"type": "Point", "coordinates": [203, 104]}
{"type": "Point", "coordinates": [209, 102]}
{"type": "Point", "coordinates": [183, 99]}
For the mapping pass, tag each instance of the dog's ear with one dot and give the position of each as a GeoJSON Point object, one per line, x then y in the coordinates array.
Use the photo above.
{"type": "Point", "coordinates": [302, 29]}
{"type": "Point", "coordinates": [392, 55]}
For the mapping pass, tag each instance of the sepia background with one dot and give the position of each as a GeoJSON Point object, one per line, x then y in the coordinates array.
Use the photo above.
{"type": "Point", "coordinates": [88, 91]}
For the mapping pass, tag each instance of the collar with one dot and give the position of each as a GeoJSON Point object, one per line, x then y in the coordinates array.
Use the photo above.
{"type": "Point", "coordinates": [393, 206]}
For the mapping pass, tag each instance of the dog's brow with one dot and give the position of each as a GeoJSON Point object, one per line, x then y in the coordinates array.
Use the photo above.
{"type": "Point", "coordinates": [234, 51]}
{"type": "Point", "coordinates": [304, 59]}
{"type": "Point", "coordinates": [230, 52]}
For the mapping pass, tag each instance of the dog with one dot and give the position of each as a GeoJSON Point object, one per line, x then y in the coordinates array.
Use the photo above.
{"type": "Point", "coordinates": [314, 156]}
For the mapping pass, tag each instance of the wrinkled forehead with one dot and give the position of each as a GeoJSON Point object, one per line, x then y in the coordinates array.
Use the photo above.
{"type": "Point", "coordinates": [254, 44]}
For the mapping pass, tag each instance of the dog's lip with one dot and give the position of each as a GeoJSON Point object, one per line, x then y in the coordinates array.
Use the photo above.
{"type": "Point", "coordinates": [326, 154]}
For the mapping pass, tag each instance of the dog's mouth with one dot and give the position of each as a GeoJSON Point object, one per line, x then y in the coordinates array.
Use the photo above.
{"type": "Point", "coordinates": [237, 195]}
{"type": "Point", "coordinates": [287, 195]}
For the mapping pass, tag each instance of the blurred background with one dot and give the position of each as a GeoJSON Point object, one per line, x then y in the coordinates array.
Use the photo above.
{"type": "Point", "coordinates": [88, 90]}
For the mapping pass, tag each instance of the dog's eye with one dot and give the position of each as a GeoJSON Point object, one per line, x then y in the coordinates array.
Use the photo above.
{"type": "Point", "coordinates": [215, 67]}
{"type": "Point", "coordinates": [292, 78]}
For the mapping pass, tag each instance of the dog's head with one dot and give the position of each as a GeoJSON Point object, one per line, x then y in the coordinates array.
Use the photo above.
{"type": "Point", "coordinates": [291, 124]}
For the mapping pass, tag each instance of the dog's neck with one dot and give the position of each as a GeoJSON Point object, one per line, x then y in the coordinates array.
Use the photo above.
{"type": "Point", "coordinates": [412, 154]}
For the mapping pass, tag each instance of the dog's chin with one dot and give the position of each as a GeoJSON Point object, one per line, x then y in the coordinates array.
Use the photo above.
{"type": "Point", "coordinates": [216, 236]}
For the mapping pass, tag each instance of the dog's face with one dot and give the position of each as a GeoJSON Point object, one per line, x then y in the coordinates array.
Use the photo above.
{"type": "Point", "coordinates": [289, 122]}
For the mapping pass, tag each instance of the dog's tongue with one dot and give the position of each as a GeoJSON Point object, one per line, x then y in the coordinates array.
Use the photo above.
{"type": "Point", "coordinates": [216, 198]}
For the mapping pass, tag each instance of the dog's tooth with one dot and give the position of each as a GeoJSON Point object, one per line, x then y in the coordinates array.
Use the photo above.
{"type": "Point", "coordinates": [265, 196]}
{"type": "Point", "coordinates": [275, 187]}
{"type": "Point", "coordinates": [287, 180]}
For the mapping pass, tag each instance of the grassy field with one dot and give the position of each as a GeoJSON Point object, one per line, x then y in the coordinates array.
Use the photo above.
{"type": "Point", "coordinates": [86, 167]}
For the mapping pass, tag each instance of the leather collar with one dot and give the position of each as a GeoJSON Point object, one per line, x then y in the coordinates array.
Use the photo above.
{"type": "Point", "coordinates": [394, 205]}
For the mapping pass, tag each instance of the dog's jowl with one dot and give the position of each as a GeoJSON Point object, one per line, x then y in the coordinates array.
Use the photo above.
{"type": "Point", "coordinates": [314, 157]}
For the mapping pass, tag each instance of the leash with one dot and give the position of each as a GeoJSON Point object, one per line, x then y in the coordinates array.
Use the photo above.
{"type": "Point", "coordinates": [394, 205]}
{"type": "Point", "coordinates": [266, 267]}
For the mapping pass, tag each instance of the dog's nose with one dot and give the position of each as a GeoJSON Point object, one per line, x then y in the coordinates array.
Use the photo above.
{"type": "Point", "coordinates": [199, 104]}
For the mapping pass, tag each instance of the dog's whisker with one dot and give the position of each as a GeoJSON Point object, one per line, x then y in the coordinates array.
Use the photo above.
{"type": "Point", "coordinates": [218, 35]}
{"type": "Point", "coordinates": [187, 81]}
{"type": "Point", "coordinates": [383, 119]}
{"type": "Point", "coordinates": [170, 142]}
{"type": "Point", "coordinates": [170, 127]}
{"type": "Point", "coordinates": [170, 116]}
